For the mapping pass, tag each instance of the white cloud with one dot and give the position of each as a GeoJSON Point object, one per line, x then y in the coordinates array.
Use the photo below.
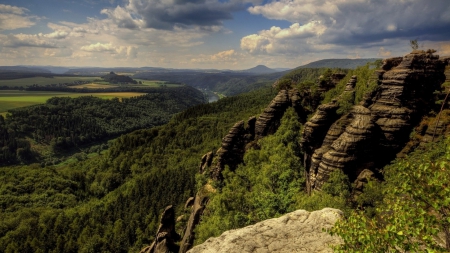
{"type": "Point", "coordinates": [57, 35]}
{"type": "Point", "coordinates": [278, 40]}
{"type": "Point", "coordinates": [229, 56]}
{"type": "Point", "coordinates": [12, 17]}
{"type": "Point", "coordinates": [12, 9]}
{"type": "Point", "coordinates": [26, 40]}
{"type": "Point", "coordinates": [99, 47]}
{"type": "Point", "coordinates": [384, 53]}
{"type": "Point", "coordinates": [353, 22]}
{"type": "Point", "coordinates": [123, 18]}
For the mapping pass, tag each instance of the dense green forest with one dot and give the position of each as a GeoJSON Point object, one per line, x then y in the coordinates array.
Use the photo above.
{"type": "Point", "coordinates": [112, 202]}
{"type": "Point", "coordinates": [64, 123]}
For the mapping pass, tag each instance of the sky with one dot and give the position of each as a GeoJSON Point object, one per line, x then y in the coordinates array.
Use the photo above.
{"type": "Point", "coordinates": [219, 34]}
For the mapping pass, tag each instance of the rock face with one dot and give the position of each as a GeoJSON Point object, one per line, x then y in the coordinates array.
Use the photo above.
{"type": "Point", "coordinates": [372, 133]}
{"type": "Point", "coordinates": [166, 235]}
{"type": "Point", "coordinates": [231, 152]}
{"type": "Point", "coordinates": [299, 231]}
{"type": "Point", "coordinates": [269, 120]}
{"type": "Point", "coordinates": [198, 206]}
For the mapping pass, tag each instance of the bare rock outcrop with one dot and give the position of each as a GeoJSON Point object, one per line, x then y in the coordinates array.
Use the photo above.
{"type": "Point", "coordinates": [197, 208]}
{"type": "Point", "coordinates": [166, 236]}
{"type": "Point", "coordinates": [268, 122]}
{"type": "Point", "coordinates": [299, 231]}
{"type": "Point", "coordinates": [377, 129]}
{"type": "Point", "coordinates": [353, 146]}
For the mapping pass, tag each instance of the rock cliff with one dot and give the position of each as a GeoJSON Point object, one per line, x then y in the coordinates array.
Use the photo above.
{"type": "Point", "coordinates": [299, 231]}
{"type": "Point", "coordinates": [358, 141]}
{"type": "Point", "coordinates": [372, 133]}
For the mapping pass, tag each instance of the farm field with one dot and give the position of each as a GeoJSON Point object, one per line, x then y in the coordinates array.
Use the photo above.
{"type": "Point", "coordinates": [94, 85]}
{"type": "Point", "coordinates": [155, 83]}
{"type": "Point", "coordinates": [45, 80]}
{"type": "Point", "coordinates": [10, 99]}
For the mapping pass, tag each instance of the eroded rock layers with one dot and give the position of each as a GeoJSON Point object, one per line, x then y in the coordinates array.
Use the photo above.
{"type": "Point", "coordinates": [372, 133]}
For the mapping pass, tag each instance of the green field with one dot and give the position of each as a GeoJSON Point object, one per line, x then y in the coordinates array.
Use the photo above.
{"type": "Point", "coordinates": [155, 83]}
{"type": "Point", "coordinates": [94, 85]}
{"type": "Point", "coordinates": [45, 80]}
{"type": "Point", "coordinates": [10, 99]}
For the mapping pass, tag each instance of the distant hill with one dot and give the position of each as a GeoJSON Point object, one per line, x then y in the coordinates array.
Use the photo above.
{"type": "Point", "coordinates": [22, 69]}
{"type": "Point", "coordinates": [114, 78]}
{"type": "Point", "coordinates": [260, 69]}
{"type": "Point", "coordinates": [339, 63]}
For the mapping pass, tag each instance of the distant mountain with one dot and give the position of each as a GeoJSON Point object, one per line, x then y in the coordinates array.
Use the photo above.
{"type": "Point", "coordinates": [339, 63]}
{"type": "Point", "coordinates": [22, 69]}
{"type": "Point", "coordinates": [260, 69]}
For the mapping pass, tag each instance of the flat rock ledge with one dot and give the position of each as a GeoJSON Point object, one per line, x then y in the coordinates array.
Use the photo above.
{"type": "Point", "coordinates": [299, 231]}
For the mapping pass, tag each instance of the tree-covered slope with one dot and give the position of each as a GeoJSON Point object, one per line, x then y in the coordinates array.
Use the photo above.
{"type": "Point", "coordinates": [64, 123]}
{"type": "Point", "coordinates": [112, 202]}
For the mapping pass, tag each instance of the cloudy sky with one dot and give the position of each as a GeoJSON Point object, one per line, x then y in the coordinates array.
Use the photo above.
{"type": "Point", "coordinates": [222, 34]}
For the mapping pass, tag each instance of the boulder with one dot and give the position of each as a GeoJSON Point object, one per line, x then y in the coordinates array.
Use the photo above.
{"type": "Point", "coordinates": [299, 231]}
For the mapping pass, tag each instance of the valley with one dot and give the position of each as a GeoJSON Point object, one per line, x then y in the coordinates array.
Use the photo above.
{"type": "Point", "coordinates": [94, 173]}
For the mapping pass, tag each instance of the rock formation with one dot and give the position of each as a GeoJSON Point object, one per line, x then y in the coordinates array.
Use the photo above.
{"type": "Point", "coordinates": [268, 122]}
{"type": "Point", "coordinates": [198, 205]}
{"type": "Point", "coordinates": [372, 133]}
{"type": "Point", "coordinates": [165, 235]}
{"type": "Point", "coordinates": [299, 231]}
{"type": "Point", "coordinates": [231, 152]}
{"type": "Point", "coordinates": [357, 141]}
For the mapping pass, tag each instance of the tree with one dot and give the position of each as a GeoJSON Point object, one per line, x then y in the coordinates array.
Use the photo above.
{"type": "Point", "coordinates": [414, 44]}
{"type": "Point", "coordinates": [415, 211]}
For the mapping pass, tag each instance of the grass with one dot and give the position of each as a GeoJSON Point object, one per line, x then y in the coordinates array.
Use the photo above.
{"type": "Point", "coordinates": [11, 99]}
{"type": "Point", "coordinates": [96, 85]}
{"type": "Point", "coordinates": [45, 80]}
{"type": "Point", "coordinates": [155, 83]}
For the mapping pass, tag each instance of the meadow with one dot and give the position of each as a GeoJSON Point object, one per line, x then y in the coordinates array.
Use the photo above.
{"type": "Point", "coordinates": [10, 99]}
{"type": "Point", "coordinates": [155, 83]}
{"type": "Point", "coordinates": [45, 80]}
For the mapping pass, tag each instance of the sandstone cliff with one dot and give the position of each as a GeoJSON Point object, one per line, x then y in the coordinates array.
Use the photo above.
{"type": "Point", "coordinates": [359, 141]}
{"type": "Point", "coordinates": [372, 133]}
{"type": "Point", "coordinates": [299, 231]}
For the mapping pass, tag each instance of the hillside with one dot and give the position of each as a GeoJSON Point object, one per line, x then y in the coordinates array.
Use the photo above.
{"type": "Point", "coordinates": [260, 69]}
{"type": "Point", "coordinates": [266, 166]}
{"type": "Point", "coordinates": [311, 142]}
{"type": "Point", "coordinates": [45, 132]}
{"type": "Point", "coordinates": [114, 78]}
{"type": "Point", "coordinates": [339, 63]}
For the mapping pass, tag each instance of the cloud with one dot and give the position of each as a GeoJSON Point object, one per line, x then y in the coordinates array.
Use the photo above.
{"type": "Point", "coordinates": [122, 18]}
{"type": "Point", "coordinates": [57, 35]}
{"type": "Point", "coordinates": [352, 22]}
{"type": "Point", "coordinates": [278, 40]}
{"type": "Point", "coordinates": [12, 9]}
{"type": "Point", "coordinates": [169, 14]}
{"type": "Point", "coordinates": [99, 47]}
{"type": "Point", "coordinates": [220, 57]}
{"type": "Point", "coordinates": [26, 40]}
{"type": "Point", "coordinates": [384, 53]}
{"type": "Point", "coordinates": [120, 52]}
{"type": "Point", "coordinates": [12, 17]}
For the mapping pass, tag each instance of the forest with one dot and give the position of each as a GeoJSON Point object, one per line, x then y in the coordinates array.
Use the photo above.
{"type": "Point", "coordinates": [112, 201]}
{"type": "Point", "coordinates": [65, 123]}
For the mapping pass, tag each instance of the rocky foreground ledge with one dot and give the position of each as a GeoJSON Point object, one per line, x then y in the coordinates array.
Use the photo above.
{"type": "Point", "coordinates": [299, 231]}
